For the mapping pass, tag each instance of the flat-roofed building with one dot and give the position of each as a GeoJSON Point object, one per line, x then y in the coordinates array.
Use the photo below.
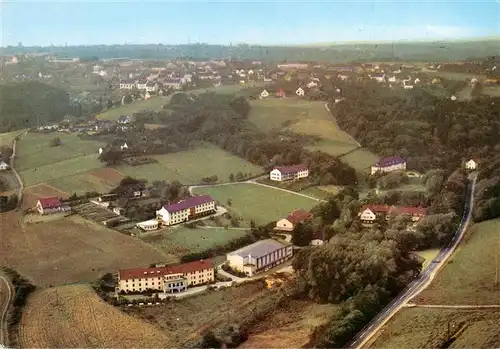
{"type": "Point", "coordinates": [261, 255]}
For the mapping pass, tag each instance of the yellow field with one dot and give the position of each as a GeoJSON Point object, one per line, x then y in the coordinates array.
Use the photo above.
{"type": "Point", "coordinates": [73, 316]}
{"type": "Point", "coordinates": [428, 255]}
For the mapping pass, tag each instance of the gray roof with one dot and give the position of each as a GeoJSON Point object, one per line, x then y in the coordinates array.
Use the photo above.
{"type": "Point", "coordinates": [259, 248]}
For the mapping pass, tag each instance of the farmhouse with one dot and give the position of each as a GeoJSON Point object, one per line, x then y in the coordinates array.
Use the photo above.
{"type": "Point", "coordinates": [471, 165]}
{"type": "Point", "coordinates": [182, 211]}
{"type": "Point", "coordinates": [296, 216]}
{"type": "Point", "coordinates": [261, 255]}
{"type": "Point", "coordinates": [167, 279]}
{"type": "Point", "coordinates": [390, 164]}
{"type": "Point", "coordinates": [50, 205]}
{"type": "Point", "coordinates": [284, 173]}
{"type": "Point", "coordinates": [3, 166]}
{"type": "Point", "coordinates": [369, 214]}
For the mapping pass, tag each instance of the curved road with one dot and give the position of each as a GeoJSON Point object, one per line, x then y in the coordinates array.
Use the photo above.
{"type": "Point", "coordinates": [421, 283]}
{"type": "Point", "coordinates": [5, 299]}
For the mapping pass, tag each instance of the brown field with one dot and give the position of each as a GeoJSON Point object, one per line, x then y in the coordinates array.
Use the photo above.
{"type": "Point", "coordinates": [109, 175]}
{"type": "Point", "coordinates": [73, 316]}
{"type": "Point", "coordinates": [69, 250]}
{"type": "Point", "coordinates": [32, 194]}
{"type": "Point", "coordinates": [427, 328]}
{"type": "Point", "coordinates": [188, 318]}
{"type": "Point", "coordinates": [290, 326]}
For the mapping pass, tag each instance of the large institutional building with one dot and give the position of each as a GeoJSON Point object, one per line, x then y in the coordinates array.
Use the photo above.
{"type": "Point", "coordinates": [390, 164]}
{"type": "Point", "coordinates": [286, 173]}
{"type": "Point", "coordinates": [167, 279]}
{"type": "Point", "coordinates": [261, 255]}
{"type": "Point", "coordinates": [185, 210]}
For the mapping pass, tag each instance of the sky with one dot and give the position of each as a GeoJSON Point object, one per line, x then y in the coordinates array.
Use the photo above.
{"type": "Point", "coordinates": [60, 22]}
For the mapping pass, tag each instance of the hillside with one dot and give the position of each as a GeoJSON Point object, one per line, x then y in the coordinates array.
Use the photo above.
{"type": "Point", "coordinates": [26, 104]}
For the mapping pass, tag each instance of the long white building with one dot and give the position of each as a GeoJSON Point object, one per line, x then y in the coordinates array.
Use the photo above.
{"type": "Point", "coordinates": [261, 255]}
{"type": "Point", "coordinates": [185, 210]}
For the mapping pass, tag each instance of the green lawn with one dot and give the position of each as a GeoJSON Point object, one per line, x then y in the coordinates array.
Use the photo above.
{"type": "Point", "coordinates": [181, 240]}
{"type": "Point", "coordinates": [427, 328]}
{"type": "Point", "coordinates": [155, 103]}
{"type": "Point", "coordinates": [190, 166]}
{"type": "Point", "coordinates": [361, 160]}
{"type": "Point", "coordinates": [7, 137]}
{"type": "Point", "coordinates": [80, 184]}
{"type": "Point", "coordinates": [34, 149]}
{"type": "Point", "coordinates": [60, 170]}
{"type": "Point", "coordinates": [257, 203]}
{"type": "Point", "coordinates": [469, 276]}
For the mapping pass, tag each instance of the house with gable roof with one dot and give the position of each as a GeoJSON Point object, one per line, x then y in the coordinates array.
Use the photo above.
{"type": "Point", "coordinates": [184, 210]}
{"type": "Point", "coordinates": [389, 164]}
{"type": "Point", "coordinates": [50, 205]}
{"type": "Point", "coordinates": [471, 165]}
{"type": "Point", "coordinates": [3, 166]}
{"type": "Point", "coordinates": [369, 214]}
{"type": "Point", "coordinates": [285, 173]}
{"type": "Point", "coordinates": [296, 216]}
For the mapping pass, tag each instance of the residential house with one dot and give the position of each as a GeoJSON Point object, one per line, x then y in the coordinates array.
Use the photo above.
{"type": "Point", "coordinates": [261, 255]}
{"type": "Point", "coordinates": [152, 87]}
{"type": "Point", "coordinates": [124, 119]}
{"type": "Point", "coordinates": [127, 84]}
{"type": "Point", "coordinates": [369, 214]}
{"type": "Point", "coordinates": [141, 84]}
{"type": "Point", "coordinates": [378, 77]}
{"type": "Point", "coordinates": [182, 211]}
{"type": "Point", "coordinates": [392, 79]}
{"type": "Point", "coordinates": [453, 98]}
{"type": "Point", "coordinates": [299, 92]}
{"type": "Point", "coordinates": [167, 279]}
{"type": "Point", "coordinates": [124, 146]}
{"type": "Point", "coordinates": [147, 96]}
{"type": "Point", "coordinates": [408, 87]}
{"type": "Point", "coordinates": [312, 84]}
{"type": "Point", "coordinates": [50, 205]}
{"type": "Point", "coordinates": [389, 164]}
{"type": "Point", "coordinates": [264, 94]}
{"type": "Point", "coordinates": [284, 173]}
{"type": "Point", "coordinates": [296, 216]}
{"type": "Point", "coordinates": [3, 166]}
{"type": "Point", "coordinates": [281, 93]}
{"type": "Point", "coordinates": [471, 164]}
{"type": "Point", "coordinates": [343, 77]}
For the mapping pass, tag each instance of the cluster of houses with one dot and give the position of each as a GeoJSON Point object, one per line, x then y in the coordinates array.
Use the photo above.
{"type": "Point", "coordinates": [370, 214]}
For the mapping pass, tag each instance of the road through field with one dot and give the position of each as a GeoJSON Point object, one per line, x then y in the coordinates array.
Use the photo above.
{"type": "Point", "coordinates": [5, 299]}
{"type": "Point", "coordinates": [421, 283]}
{"type": "Point", "coordinates": [20, 185]}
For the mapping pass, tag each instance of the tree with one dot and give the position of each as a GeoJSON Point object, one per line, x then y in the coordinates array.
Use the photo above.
{"type": "Point", "coordinates": [302, 234]}
{"type": "Point", "coordinates": [111, 157]}
{"type": "Point", "coordinates": [231, 177]}
{"type": "Point", "coordinates": [55, 142]}
{"type": "Point", "coordinates": [109, 104]}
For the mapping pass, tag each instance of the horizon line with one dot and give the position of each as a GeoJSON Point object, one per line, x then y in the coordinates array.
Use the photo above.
{"type": "Point", "coordinates": [311, 44]}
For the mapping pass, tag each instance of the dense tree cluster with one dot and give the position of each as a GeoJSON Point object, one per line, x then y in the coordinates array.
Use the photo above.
{"type": "Point", "coordinates": [428, 131]}
{"type": "Point", "coordinates": [487, 193]}
{"type": "Point", "coordinates": [24, 104]}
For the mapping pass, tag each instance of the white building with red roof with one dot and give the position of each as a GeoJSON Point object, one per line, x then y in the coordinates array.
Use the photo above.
{"type": "Point", "coordinates": [167, 279]}
{"type": "Point", "coordinates": [286, 173]}
{"type": "Point", "coordinates": [370, 213]}
{"type": "Point", "coordinates": [184, 210]}
{"type": "Point", "coordinates": [50, 205]}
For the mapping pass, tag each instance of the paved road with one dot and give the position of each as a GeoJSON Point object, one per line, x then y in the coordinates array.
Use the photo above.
{"type": "Point", "coordinates": [5, 299]}
{"type": "Point", "coordinates": [419, 284]}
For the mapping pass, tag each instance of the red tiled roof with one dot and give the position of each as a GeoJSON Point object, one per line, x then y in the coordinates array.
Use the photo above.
{"type": "Point", "coordinates": [402, 209]}
{"type": "Point", "coordinates": [298, 216]}
{"type": "Point", "coordinates": [51, 202]}
{"type": "Point", "coordinates": [291, 169]}
{"type": "Point", "coordinates": [189, 202]}
{"type": "Point", "coordinates": [147, 273]}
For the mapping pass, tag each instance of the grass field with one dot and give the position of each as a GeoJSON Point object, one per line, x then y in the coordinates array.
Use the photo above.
{"type": "Point", "coordinates": [452, 75]}
{"type": "Point", "coordinates": [155, 104]}
{"type": "Point", "coordinates": [254, 202]}
{"type": "Point", "coordinates": [493, 91]}
{"type": "Point", "coordinates": [189, 318]}
{"type": "Point", "coordinates": [291, 326]}
{"type": "Point", "coordinates": [179, 241]}
{"type": "Point", "coordinates": [322, 191]}
{"type": "Point", "coordinates": [7, 137]}
{"type": "Point", "coordinates": [32, 194]}
{"type": "Point", "coordinates": [361, 160]}
{"type": "Point", "coordinates": [73, 316]}
{"type": "Point", "coordinates": [468, 278]}
{"type": "Point", "coordinates": [69, 250]}
{"type": "Point", "coordinates": [428, 256]}
{"type": "Point", "coordinates": [427, 328]}
{"type": "Point", "coordinates": [190, 166]}
{"type": "Point", "coordinates": [34, 150]}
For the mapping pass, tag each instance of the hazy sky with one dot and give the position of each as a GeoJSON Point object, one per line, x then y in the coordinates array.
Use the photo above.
{"type": "Point", "coordinates": [258, 22]}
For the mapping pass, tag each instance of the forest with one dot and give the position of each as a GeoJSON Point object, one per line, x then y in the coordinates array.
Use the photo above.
{"type": "Point", "coordinates": [26, 104]}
